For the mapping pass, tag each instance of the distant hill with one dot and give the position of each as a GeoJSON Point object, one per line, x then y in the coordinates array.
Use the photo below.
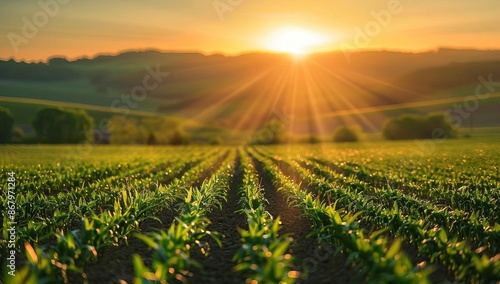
{"type": "Point", "coordinates": [428, 80]}
{"type": "Point", "coordinates": [241, 92]}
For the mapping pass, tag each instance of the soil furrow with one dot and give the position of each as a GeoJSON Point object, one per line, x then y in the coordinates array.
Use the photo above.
{"type": "Point", "coordinates": [438, 276]}
{"type": "Point", "coordinates": [116, 263]}
{"type": "Point", "coordinates": [319, 264]}
{"type": "Point", "coordinates": [210, 170]}
{"type": "Point", "coordinates": [118, 260]}
{"type": "Point", "coordinates": [218, 265]}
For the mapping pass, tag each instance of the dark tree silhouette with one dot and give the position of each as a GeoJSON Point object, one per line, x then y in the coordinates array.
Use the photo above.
{"type": "Point", "coordinates": [179, 138]}
{"type": "Point", "coordinates": [272, 132]}
{"type": "Point", "coordinates": [433, 126]}
{"type": "Point", "coordinates": [346, 134]}
{"type": "Point", "coordinates": [61, 126]}
{"type": "Point", "coordinates": [6, 123]}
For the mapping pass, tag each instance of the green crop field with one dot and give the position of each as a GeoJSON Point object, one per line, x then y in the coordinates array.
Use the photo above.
{"type": "Point", "coordinates": [374, 212]}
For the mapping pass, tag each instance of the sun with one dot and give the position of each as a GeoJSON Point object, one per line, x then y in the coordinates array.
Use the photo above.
{"type": "Point", "coordinates": [296, 41]}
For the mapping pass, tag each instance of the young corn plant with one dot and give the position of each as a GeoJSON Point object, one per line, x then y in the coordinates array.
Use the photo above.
{"type": "Point", "coordinates": [75, 249]}
{"type": "Point", "coordinates": [263, 255]}
{"type": "Point", "coordinates": [172, 248]}
{"type": "Point", "coordinates": [381, 263]}
{"type": "Point", "coordinates": [428, 233]}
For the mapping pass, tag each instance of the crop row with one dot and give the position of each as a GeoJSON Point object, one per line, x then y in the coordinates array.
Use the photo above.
{"type": "Point", "coordinates": [172, 248]}
{"type": "Point", "coordinates": [378, 262]}
{"type": "Point", "coordinates": [39, 215]}
{"type": "Point", "coordinates": [463, 224]}
{"type": "Point", "coordinates": [484, 201]}
{"type": "Point", "coordinates": [371, 205]}
{"type": "Point", "coordinates": [429, 233]}
{"type": "Point", "coordinates": [99, 228]}
{"type": "Point", "coordinates": [263, 253]}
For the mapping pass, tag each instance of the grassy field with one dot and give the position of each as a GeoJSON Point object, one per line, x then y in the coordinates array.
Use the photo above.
{"type": "Point", "coordinates": [377, 212]}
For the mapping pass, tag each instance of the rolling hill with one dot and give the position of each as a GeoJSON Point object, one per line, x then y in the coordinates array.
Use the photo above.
{"type": "Point", "coordinates": [315, 94]}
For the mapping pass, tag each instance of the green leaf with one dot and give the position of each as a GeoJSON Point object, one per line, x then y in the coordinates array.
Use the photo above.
{"type": "Point", "coordinates": [147, 240]}
{"type": "Point", "coordinates": [189, 195]}
{"type": "Point", "coordinates": [377, 233]}
{"type": "Point", "coordinates": [353, 217]}
{"type": "Point", "coordinates": [337, 218]}
{"type": "Point", "coordinates": [443, 237]}
{"type": "Point", "coordinates": [281, 248]}
{"type": "Point", "coordinates": [139, 266]}
{"type": "Point", "coordinates": [396, 245]}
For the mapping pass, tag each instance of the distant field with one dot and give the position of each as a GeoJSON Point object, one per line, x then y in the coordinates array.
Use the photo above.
{"type": "Point", "coordinates": [242, 92]}
{"type": "Point", "coordinates": [24, 110]}
{"type": "Point", "coordinates": [349, 213]}
{"type": "Point", "coordinates": [481, 122]}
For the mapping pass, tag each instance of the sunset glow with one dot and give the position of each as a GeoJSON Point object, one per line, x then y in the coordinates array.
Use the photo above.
{"type": "Point", "coordinates": [88, 28]}
{"type": "Point", "coordinates": [293, 40]}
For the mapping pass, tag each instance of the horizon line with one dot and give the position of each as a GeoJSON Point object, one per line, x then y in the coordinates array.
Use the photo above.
{"type": "Point", "coordinates": [236, 54]}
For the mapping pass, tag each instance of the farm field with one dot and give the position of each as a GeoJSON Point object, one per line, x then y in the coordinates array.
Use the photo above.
{"type": "Point", "coordinates": [378, 212]}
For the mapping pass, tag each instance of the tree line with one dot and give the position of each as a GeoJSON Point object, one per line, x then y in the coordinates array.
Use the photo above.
{"type": "Point", "coordinates": [54, 125]}
{"type": "Point", "coordinates": [431, 126]}
{"type": "Point", "coordinates": [67, 126]}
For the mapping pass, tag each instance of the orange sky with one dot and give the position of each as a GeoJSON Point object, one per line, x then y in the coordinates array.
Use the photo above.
{"type": "Point", "coordinates": [74, 28]}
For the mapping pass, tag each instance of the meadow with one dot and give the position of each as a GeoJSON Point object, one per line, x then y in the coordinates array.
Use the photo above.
{"type": "Point", "coordinates": [372, 212]}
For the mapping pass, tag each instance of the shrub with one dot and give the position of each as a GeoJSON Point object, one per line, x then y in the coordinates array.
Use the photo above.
{"type": "Point", "coordinates": [314, 139]}
{"type": "Point", "coordinates": [6, 123]}
{"type": "Point", "coordinates": [272, 132]}
{"type": "Point", "coordinates": [346, 134]}
{"type": "Point", "coordinates": [57, 125]}
{"type": "Point", "coordinates": [433, 126]}
{"type": "Point", "coordinates": [179, 137]}
{"type": "Point", "coordinates": [215, 141]}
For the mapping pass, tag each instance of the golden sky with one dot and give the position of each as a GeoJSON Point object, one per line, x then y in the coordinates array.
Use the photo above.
{"type": "Point", "coordinates": [31, 30]}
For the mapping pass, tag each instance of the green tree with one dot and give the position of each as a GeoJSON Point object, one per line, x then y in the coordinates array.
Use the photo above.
{"type": "Point", "coordinates": [432, 126]}
{"type": "Point", "coordinates": [127, 131]}
{"type": "Point", "coordinates": [161, 128]}
{"type": "Point", "coordinates": [272, 132]}
{"type": "Point", "coordinates": [313, 139]}
{"type": "Point", "coordinates": [347, 134]}
{"type": "Point", "coordinates": [179, 137]}
{"type": "Point", "coordinates": [439, 126]}
{"type": "Point", "coordinates": [62, 126]}
{"type": "Point", "coordinates": [215, 141]}
{"type": "Point", "coordinates": [6, 124]}
{"type": "Point", "coordinates": [404, 127]}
